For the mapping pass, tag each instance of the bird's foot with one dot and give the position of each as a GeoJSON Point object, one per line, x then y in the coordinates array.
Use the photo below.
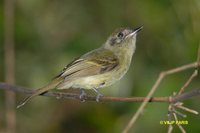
{"type": "Point", "coordinates": [98, 94]}
{"type": "Point", "coordinates": [82, 95]}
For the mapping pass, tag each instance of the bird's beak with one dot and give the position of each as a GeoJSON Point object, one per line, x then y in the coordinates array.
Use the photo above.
{"type": "Point", "coordinates": [135, 31]}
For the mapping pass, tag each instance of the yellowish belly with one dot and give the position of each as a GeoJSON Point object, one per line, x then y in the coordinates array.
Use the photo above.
{"type": "Point", "coordinates": [96, 81]}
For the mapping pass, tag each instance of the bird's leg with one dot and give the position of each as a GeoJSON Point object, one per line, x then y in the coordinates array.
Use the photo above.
{"type": "Point", "coordinates": [98, 94]}
{"type": "Point", "coordinates": [82, 95]}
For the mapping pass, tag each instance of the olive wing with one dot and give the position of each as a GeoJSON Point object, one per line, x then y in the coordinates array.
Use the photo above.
{"type": "Point", "coordinates": [93, 63]}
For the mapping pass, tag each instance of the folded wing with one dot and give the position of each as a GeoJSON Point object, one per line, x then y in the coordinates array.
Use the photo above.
{"type": "Point", "coordinates": [90, 64]}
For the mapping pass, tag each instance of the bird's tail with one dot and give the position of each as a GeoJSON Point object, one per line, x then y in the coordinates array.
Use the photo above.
{"type": "Point", "coordinates": [39, 91]}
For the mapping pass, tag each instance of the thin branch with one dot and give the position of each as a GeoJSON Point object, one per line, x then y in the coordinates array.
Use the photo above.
{"type": "Point", "coordinates": [9, 58]}
{"type": "Point", "coordinates": [194, 74]}
{"type": "Point", "coordinates": [179, 113]}
{"type": "Point", "coordinates": [179, 126]}
{"type": "Point", "coordinates": [188, 109]}
{"type": "Point", "coordinates": [186, 95]}
{"type": "Point", "coordinates": [64, 95]}
{"type": "Point", "coordinates": [75, 96]}
{"type": "Point", "coordinates": [170, 127]}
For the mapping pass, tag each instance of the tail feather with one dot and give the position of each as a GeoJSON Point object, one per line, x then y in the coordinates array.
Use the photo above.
{"type": "Point", "coordinates": [39, 91]}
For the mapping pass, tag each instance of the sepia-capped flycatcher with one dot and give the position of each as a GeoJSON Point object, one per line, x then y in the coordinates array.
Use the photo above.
{"type": "Point", "coordinates": [98, 68]}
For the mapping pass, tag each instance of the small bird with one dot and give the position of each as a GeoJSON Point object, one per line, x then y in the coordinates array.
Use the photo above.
{"type": "Point", "coordinates": [98, 68]}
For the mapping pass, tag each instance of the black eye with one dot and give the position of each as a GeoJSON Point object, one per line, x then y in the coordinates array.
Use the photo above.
{"type": "Point", "coordinates": [120, 35]}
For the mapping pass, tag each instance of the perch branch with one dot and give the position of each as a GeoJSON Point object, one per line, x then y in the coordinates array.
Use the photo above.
{"type": "Point", "coordinates": [75, 96]}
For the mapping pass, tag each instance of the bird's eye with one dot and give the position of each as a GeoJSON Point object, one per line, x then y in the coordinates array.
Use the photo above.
{"type": "Point", "coordinates": [120, 35]}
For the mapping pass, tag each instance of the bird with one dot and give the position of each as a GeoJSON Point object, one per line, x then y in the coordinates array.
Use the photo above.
{"type": "Point", "coordinates": [98, 68]}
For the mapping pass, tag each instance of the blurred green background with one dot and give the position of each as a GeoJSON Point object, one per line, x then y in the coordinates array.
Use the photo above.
{"type": "Point", "coordinates": [49, 34]}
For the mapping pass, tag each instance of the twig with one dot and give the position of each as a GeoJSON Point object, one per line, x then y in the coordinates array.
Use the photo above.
{"type": "Point", "coordinates": [180, 127]}
{"type": "Point", "coordinates": [185, 96]}
{"type": "Point", "coordinates": [194, 74]}
{"type": "Point", "coordinates": [179, 113]}
{"type": "Point", "coordinates": [187, 109]}
{"type": "Point", "coordinates": [170, 127]}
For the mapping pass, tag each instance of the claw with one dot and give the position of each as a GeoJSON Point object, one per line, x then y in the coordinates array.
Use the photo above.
{"type": "Point", "coordinates": [82, 95]}
{"type": "Point", "coordinates": [98, 94]}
